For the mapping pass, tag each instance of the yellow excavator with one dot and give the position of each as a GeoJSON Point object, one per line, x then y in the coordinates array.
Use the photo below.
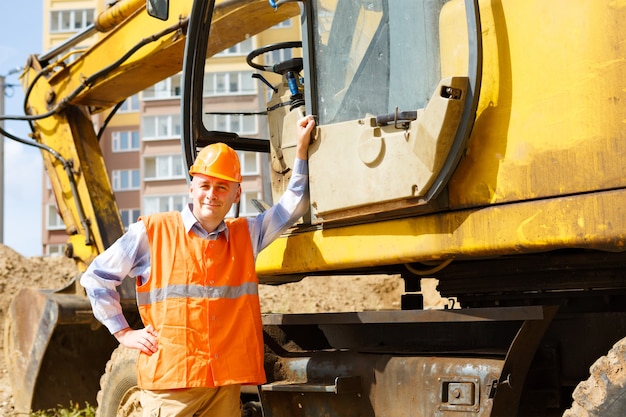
{"type": "Point", "coordinates": [478, 142]}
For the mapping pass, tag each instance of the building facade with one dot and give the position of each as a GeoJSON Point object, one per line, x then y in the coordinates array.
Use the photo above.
{"type": "Point", "coordinates": [142, 142]}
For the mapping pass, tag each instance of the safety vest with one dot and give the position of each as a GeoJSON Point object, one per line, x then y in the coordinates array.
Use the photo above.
{"type": "Point", "coordinates": [202, 299]}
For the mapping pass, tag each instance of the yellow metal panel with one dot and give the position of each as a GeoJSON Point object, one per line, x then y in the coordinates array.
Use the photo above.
{"type": "Point", "coordinates": [551, 112]}
{"type": "Point", "coordinates": [593, 221]}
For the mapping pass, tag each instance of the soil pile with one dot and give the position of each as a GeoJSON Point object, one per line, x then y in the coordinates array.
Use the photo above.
{"type": "Point", "coordinates": [18, 272]}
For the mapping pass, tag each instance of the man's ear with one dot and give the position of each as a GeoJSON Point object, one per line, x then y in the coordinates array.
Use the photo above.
{"type": "Point", "coordinates": [238, 196]}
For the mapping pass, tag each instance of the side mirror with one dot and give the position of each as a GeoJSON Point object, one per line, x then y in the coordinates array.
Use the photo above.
{"type": "Point", "coordinates": [158, 8]}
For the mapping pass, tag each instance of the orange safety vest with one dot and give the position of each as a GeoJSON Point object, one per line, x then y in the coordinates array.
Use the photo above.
{"type": "Point", "coordinates": [202, 299]}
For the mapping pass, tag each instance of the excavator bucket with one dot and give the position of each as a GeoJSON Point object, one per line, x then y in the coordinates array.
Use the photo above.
{"type": "Point", "coordinates": [55, 349]}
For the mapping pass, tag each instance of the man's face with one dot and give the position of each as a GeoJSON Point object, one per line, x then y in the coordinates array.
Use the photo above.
{"type": "Point", "coordinates": [212, 199]}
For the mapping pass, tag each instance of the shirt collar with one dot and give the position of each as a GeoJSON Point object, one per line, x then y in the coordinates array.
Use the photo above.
{"type": "Point", "coordinates": [192, 224]}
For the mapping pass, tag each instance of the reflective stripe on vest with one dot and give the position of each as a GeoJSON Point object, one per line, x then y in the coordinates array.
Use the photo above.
{"type": "Point", "coordinates": [196, 291]}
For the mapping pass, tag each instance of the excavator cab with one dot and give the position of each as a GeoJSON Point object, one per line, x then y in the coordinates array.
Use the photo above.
{"type": "Point", "coordinates": [395, 102]}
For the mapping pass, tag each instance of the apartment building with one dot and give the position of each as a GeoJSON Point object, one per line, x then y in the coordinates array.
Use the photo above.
{"type": "Point", "coordinates": [141, 144]}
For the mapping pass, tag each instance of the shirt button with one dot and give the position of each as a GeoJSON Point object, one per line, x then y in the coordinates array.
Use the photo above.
{"type": "Point", "coordinates": [212, 317]}
{"type": "Point", "coordinates": [211, 282]}
{"type": "Point", "coordinates": [216, 356]}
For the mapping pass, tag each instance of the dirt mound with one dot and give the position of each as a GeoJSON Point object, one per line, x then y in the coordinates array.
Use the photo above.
{"type": "Point", "coordinates": [18, 272]}
{"type": "Point", "coordinates": [333, 294]}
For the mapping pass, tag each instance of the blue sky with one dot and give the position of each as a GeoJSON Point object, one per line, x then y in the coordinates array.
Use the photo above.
{"type": "Point", "coordinates": [20, 36]}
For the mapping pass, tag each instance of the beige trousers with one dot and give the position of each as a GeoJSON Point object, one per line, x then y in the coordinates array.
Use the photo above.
{"type": "Point", "coordinates": [192, 402]}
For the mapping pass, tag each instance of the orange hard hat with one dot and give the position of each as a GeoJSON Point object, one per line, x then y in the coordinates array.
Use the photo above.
{"type": "Point", "coordinates": [217, 160]}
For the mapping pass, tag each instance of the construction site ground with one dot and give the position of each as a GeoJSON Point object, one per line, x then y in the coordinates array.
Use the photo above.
{"type": "Point", "coordinates": [312, 294]}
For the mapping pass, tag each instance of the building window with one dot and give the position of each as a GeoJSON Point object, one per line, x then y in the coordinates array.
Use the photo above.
{"type": "Point", "coordinates": [163, 167]}
{"type": "Point", "coordinates": [129, 217]}
{"type": "Point", "coordinates": [161, 127]}
{"type": "Point", "coordinates": [162, 204]}
{"type": "Point", "coordinates": [249, 162]}
{"type": "Point", "coordinates": [131, 104]}
{"type": "Point", "coordinates": [125, 141]}
{"type": "Point", "coordinates": [53, 220]}
{"type": "Point", "coordinates": [242, 48]}
{"type": "Point", "coordinates": [125, 179]}
{"type": "Point", "coordinates": [168, 88]}
{"type": "Point", "coordinates": [231, 123]}
{"type": "Point", "coordinates": [55, 250]}
{"type": "Point", "coordinates": [70, 20]}
{"type": "Point", "coordinates": [229, 83]}
{"type": "Point", "coordinates": [246, 207]}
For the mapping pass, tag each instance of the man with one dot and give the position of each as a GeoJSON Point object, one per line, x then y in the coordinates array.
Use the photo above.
{"type": "Point", "coordinates": [197, 289]}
